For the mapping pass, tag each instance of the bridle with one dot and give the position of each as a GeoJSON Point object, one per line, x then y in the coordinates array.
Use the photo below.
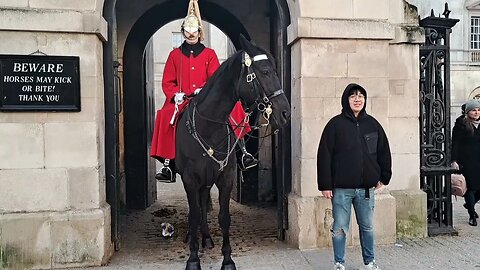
{"type": "Point", "coordinates": [262, 103]}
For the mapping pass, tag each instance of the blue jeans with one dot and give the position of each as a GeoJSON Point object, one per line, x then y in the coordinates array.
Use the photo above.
{"type": "Point", "coordinates": [342, 201]}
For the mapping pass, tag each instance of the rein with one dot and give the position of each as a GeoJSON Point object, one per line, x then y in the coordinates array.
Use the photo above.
{"type": "Point", "coordinates": [191, 126]}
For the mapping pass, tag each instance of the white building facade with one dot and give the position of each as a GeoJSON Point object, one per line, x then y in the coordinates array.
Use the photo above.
{"type": "Point", "coordinates": [464, 47]}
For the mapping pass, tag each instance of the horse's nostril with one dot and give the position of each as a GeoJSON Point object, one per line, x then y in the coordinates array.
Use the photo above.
{"type": "Point", "coordinates": [286, 114]}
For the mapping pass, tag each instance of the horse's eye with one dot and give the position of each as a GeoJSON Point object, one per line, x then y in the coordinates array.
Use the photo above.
{"type": "Point", "coordinates": [265, 72]}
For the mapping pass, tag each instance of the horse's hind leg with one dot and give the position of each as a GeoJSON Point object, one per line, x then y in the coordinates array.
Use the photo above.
{"type": "Point", "coordinates": [225, 188]}
{"type": "Point", "coordinates": [193, 262]}
{"type": "Point", "coordinates": [207, 241]}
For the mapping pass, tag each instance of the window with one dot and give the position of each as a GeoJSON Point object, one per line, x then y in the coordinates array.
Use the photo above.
{"type": "Point", "coordinates": [177, 39]}
{"type": "Point", "coordinates": [475, 33]}
{"type": "Point", "coordinates": [475, 38]}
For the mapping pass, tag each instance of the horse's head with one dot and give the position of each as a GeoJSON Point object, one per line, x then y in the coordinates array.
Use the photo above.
{"type": "Point", "coordinates": [259, 86]}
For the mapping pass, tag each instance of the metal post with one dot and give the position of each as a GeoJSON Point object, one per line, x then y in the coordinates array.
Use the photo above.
{"type": "Point", "coordinates": [435, 132]}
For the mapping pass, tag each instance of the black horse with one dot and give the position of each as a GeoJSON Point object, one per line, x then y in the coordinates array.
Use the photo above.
{"type": "Point", "coordinates": [205, 142]}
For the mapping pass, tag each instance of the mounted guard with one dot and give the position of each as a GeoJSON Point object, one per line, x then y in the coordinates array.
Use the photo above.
{"type": "Point", "coordinates": [186, 72]}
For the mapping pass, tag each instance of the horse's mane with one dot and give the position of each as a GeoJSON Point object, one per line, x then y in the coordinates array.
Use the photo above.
{"type": "Point", "coordinates": [224, 67]}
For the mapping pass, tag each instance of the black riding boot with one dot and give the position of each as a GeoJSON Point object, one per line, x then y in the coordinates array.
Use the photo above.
{"type": "Point", "coordinates": [247, 160]}
{"type": "Point", "coordinates": [470, 205]}
{"type": "Point", "coordinates": [167, 173]}
{"type": "Point", "coordinates": [475, 214]}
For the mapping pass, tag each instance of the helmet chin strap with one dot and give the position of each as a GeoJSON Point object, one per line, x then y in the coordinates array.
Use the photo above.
{"type": "Point", "coordinates": [192, 42]}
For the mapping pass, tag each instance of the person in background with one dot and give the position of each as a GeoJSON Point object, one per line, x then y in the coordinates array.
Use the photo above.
{"type": "Point", "coordinates": [466, 155]}
{"type": "Point", "coordinates": [353, 160]}
{"type": "Point", "coordinates": [462, 115]}
{"type": "Point", "coordinates": [186, 71]}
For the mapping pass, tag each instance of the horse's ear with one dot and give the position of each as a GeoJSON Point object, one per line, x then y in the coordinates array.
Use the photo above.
{"type": "Point", "coordinates": [246, 45]}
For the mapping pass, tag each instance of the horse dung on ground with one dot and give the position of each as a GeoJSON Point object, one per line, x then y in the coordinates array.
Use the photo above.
{"type": "Point", "coordinates": [205, 142]}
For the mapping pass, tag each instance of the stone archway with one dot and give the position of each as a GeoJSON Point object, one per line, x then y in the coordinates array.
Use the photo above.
{"type": "Point", "coordinates": [475, 93]}
{"type": "Point", "coordinates": [138, 125]}
{"type": "Point", "coordinates": [132, 35]}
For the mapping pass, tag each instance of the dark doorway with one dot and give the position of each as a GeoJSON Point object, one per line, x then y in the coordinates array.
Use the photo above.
{"type": "Point", "coordinates": [138, 165]}
{"type": "Point", "coordinates": [137, 102]}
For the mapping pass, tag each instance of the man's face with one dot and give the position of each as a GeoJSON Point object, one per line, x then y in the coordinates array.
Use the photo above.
{"type": "Point", "coordinates": [356, 102]}
{"type": "Point", "coordinates": [191, 36]}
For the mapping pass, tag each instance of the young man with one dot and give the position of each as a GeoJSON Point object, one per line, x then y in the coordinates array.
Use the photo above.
{"type": "Point", "coordinates": [186, 71]}
{"type": "Point", "coordinates": [353, 160]}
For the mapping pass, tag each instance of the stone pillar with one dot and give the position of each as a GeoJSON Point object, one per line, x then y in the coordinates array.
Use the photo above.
{"type": "Point", "coordinates": [53, 212]}
{"type": "Point", "coordinates": [333, 44]}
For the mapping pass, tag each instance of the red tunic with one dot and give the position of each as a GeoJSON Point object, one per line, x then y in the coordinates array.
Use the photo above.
{"type": "Point", "coordinates": [192, 72]}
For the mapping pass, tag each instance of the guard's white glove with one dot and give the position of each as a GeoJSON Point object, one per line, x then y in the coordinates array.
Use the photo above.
{"type": "Point", "coordinates": [197, 91]}
{"type": "Point", "coordinates": [179, 97]}
{"type": "Point", "coordinates": [455, 165]}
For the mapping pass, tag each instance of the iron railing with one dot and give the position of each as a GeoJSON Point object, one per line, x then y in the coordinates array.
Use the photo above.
{"type": "Point", "coordinates": [435, 129]}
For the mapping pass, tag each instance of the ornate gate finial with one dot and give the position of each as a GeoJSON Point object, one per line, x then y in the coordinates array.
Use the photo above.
{"type": "Point", "coordinates": [446, 12]}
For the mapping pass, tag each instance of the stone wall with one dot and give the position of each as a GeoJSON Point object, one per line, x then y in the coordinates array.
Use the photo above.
{"type": "Point", "coordinates": [52, 178]}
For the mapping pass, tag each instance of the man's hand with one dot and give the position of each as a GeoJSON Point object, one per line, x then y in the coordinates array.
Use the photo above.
{"type": "Point", "coordinates": [197, 91]}
{"type": "Point", "coordinates": [179, 98]}
{"type": "Point", "coordinates": [327, 194]}
{"type": "Point", "coordinates": [378, 185]}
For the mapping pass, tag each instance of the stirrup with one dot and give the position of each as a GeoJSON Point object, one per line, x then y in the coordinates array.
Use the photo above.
{"type": "Point", "coordinates": [162, 175]}
{"type": "Point", "coordinates": [245, 166]}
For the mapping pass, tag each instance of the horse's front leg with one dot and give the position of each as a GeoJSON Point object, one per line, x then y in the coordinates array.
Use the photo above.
{"type": "Point", "coordinates": [193, 262]}
{"type": "Point", "coordinates": [205, 207]}
{"type": "Point", "coordinates": [207, 241]}
{"type": "Point", "coordinates": [225, 188]}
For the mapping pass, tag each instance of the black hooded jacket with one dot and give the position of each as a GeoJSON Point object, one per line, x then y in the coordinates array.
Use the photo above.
{"type": "Point", "coordinates": [465, 151]}
{"type": "Point", "coordinates": [353, 152]}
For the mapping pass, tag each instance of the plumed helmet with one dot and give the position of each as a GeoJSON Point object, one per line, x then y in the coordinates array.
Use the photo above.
{"type": "Point", "coordinates": [193, 21]}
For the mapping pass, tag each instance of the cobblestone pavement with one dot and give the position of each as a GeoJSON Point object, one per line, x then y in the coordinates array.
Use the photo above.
{"type": "Point", "coordinates": [253, 228]}
{"type": "Point", "coordinates": [255, 245]}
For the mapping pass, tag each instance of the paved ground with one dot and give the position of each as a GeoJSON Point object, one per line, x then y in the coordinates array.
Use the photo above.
{"type": "Point", "coordinates": [144, 248]}
{"type": "Point", "coordinates": [253, 228]}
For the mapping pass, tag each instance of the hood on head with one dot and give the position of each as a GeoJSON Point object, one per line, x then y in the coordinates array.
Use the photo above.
{"type": "Point", "coordinates": [347, 92]}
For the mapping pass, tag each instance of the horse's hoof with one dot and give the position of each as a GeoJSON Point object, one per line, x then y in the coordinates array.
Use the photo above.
{"type": "Point", "coordinates": [193, 266]}
{"type": "Point", "coordinates": [229, 267]}
{"type": "Point", "coordinates": [207, 243]}
{"type": "Point", "coordinates": [187, 238]}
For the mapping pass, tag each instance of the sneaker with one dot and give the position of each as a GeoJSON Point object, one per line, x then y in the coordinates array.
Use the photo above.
{"type": "Point", "coordinates": [372, 266]}
{"type": "Point", "coordinates": [338, 266]}
{"type": "Point", "coordinates": [165, 175]}
{"type": "Point", "coordinates": [248, 161]}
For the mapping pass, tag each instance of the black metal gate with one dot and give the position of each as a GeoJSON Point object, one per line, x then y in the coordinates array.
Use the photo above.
{"type": "Point", "coordinates": [435, 129]}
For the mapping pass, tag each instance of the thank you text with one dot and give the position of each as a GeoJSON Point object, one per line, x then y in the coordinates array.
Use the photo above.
{"type": "Point", "coordinates": [39, 83]}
